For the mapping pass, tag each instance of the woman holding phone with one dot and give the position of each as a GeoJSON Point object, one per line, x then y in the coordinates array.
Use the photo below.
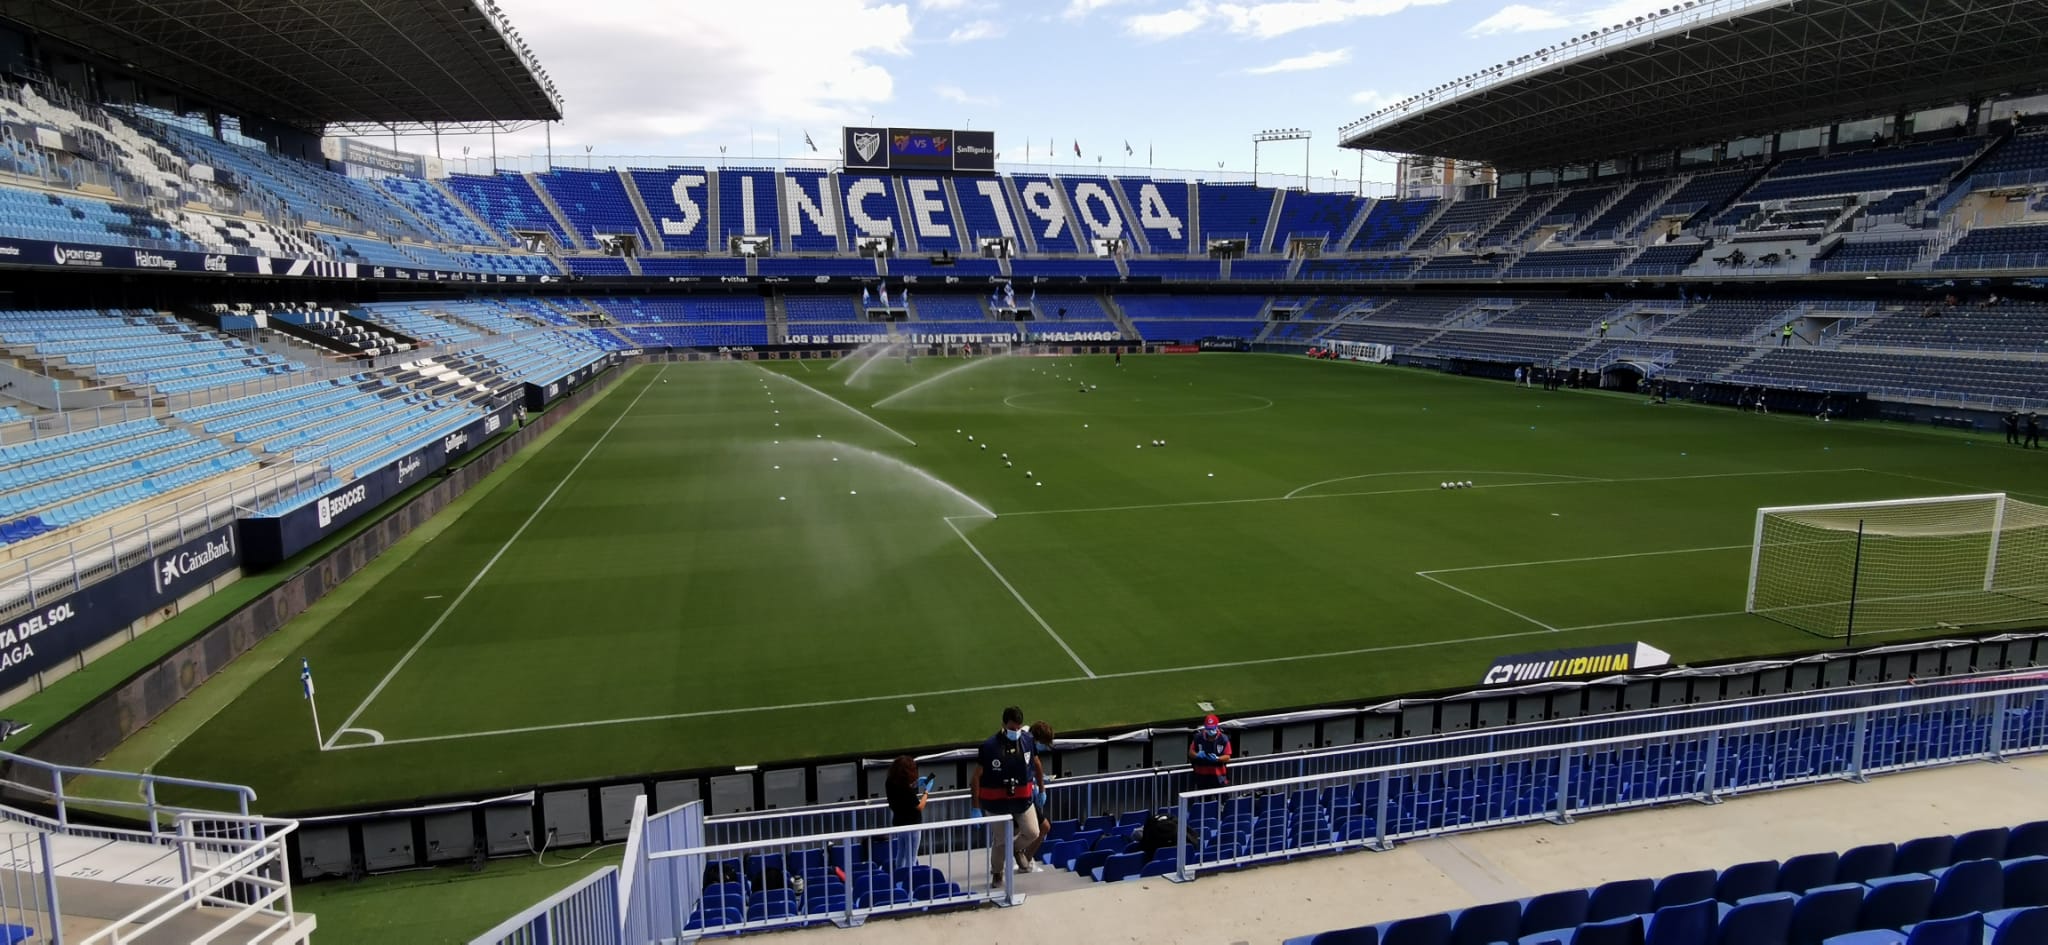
{"type": "Point", "coordinates": [907, 797]}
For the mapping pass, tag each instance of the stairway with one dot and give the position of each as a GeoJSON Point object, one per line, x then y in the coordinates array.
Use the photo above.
{"type": "Point", "coordinates": [1116, 314]}
{"type": "Point", "coordinates": [651, 242]}
{"type": "Point", "coordinates": [481, 225]}
{"type": "Point", "coordinates": [1272, 224]}
{"type": "Point", "coordinates": [548, 200]}
{"type": "Point", "coordinates": [778, 319]}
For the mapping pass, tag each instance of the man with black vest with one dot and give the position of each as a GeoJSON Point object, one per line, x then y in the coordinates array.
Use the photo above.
{"type": "Point", "coordinates": [1003, 787]}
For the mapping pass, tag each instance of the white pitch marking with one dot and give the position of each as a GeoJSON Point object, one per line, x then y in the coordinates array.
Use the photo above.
{"type": "Point", "coordinates": [858, 700]}
{"type": "Point", "coordinates": [1435, 580]}
{"type": "Point", "coordinates": [433, 597]}
{"type": "Point", "coordinates": [1020, 599]}
{"type": "Point", "coordinates": [849, 407]}
{"type": "Point", "coordinates": [1648, 620]}
{"type": "Point", "coordinates": [1531, 564]}
{"type": "Point", "coordinates": [1443, 472]}
{"type": "Point", "coordinates": [488, 565]}
{"type": "Point", "coordinates": [376, 737]}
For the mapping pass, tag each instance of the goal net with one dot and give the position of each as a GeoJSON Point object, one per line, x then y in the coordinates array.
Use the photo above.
{"type": "Point", "coordinates": [1908, 564]}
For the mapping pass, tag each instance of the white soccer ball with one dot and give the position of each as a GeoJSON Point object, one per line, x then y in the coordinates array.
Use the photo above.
{"type": "Point", "coordinates": [1007, 464]}
{"type": "Point", "coordinates": [1141, 446]}
{"type": "Point", "coordinates": [1443, 485]}
{"type": "Point", "coordinates": [1468, 483]}
{"type": "Point", "coordinates": [984, 446]}
{"type": "Point", "coordinates": [1027, 474]}
{"type": "Point", "coordinates": [970, 437]}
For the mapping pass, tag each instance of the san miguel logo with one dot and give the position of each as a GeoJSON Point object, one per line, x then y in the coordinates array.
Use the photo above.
{"type": "Point", "coordinates": [867, 144]}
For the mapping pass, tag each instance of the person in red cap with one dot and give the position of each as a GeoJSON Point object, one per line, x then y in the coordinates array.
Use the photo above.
{"type": "Point", "coordinates": [1209, 753]}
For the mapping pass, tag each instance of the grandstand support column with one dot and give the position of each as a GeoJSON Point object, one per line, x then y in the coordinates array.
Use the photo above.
{"type": "Point", "coordinates": [1272, 222]}
{"type": "Point", "coordinates": [652, 239]}
{"type": "Point", "coordinates": [953, 205]}
{"type": "Point", "coordinates": [547, 200]}
{"type": "Point", "coordinates": [714, 236]}
{"type": "Point", "coordinates": [1027, 234]}
{"type": "Point", "coordinates": [1136, 231]}
{"type": "Point", "coordinates": [1059, 192]}
{"type": "Point", "coordinates": [908, 228]}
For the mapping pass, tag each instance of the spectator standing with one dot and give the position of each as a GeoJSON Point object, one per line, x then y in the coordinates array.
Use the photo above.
{"type": "Point", "coordinates": [1785, 335]}
{"type": "Point", "coordinates": [2012, 428]}
{"type": "Point", "coordinates": [1003, 787]}
{"type": "Point", "coordinates": [907, 798]}
{"type": "Point", "coordinates": [2034, 430]}
{"type": "Point", "coordinates": [1209, 752]}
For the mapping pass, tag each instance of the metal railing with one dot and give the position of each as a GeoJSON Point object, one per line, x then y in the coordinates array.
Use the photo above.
{"type": "Point", "coordinates": [44, 783]}
{"type": "Point", "coordinates": [35, 577]}
{"type": "Point", "coordinates": [1374, 807]}
{"type": "Point", "coordinates": [1115, 793]}
{"type": "Point", "coordinates": [28, 888]}
{"type": "Point", "coordinates": [586, 913]}
{"type": "Point", "coordinates": [248, 886]}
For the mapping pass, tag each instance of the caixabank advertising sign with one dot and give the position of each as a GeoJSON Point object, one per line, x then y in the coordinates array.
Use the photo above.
{"type": "Point", "coordinates": [57, 629]}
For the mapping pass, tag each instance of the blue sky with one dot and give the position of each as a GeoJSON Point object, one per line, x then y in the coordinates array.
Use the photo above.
{"type": "Point", "coordinates": [1191, 80]}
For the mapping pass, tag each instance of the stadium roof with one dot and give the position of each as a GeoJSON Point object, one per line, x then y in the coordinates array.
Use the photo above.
{"type": "Point", "coordinates": [1715, 70]}
{"type": "Point", "coordinates": [366, 64]}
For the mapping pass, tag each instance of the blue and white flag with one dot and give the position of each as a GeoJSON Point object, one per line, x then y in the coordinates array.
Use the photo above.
{"type": "Point", "coordinates": [306, 676]}
{"type": "Point", "coordinates": [865, 298]}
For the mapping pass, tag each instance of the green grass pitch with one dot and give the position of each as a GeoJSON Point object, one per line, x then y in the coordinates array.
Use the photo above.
{"type": "Point", "coordinates": [726, 563]}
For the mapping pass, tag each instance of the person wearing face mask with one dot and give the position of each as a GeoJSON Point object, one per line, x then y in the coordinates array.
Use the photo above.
{"type": "Point", "coordinates": [1004, 786]}
{"type": "Point", "coordinates": [1209, 752]}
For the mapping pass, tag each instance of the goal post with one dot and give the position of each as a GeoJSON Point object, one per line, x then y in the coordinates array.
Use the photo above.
{"type": "Point", "coordinates": [1901, 565]}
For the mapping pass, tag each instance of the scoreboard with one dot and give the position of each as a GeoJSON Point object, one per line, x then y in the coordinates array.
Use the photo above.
{"type": "Point", "coordinates": [931, 150]}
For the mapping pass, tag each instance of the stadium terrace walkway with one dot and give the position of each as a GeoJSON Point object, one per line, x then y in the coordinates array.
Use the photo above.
{"type": "Point", "coordinates": [1268, 904]}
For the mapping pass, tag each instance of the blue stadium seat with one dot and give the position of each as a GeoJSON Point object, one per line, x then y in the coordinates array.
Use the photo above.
{"type": "Point", "coordinates": [1760, 920]}
{"type": "Point", "coordinates": [1969, 886]}
{"type": "Point", "coordinates": [1487, 924]}
{"type": "Point", "coordinates": [1551, 912]}
{"type": "Point", "coordinates": [2017, 926]}
{"type": "Point", "coordinates": [1866, 863]}
{"type": "Point", "coordinates": [2026, 882]}
{"type": "Point", "coordinates": [1894, 902]}
{"type": "Point", "coordinates": [1120, 867]}
{"type": "Point", "coordinates": [1363, 935]}
{"type": "Point", "coordinates": [1826, 912]}
{"type": "Point", "coordinates": [2029, 839]}
{"type": "Point", "coordinates": [1959, 930]}
{"type": "Point", "coordinates": [1744, 880]}
{"type": "Point", "coordinates": [1681, 888]}
{"type": "Point", "coordinates": [1808, 871]}
{"type": "Point", "coordinates": [1626, 930]}
{"type": "Point", "coordinates": [1620, 898]}
{"type": "Point", "coordinates": [1924, 855]}
{"type": "Point", "coordinates": [1690, 924]}
{"type": "Point", "coordinates": [1420, 930]}
{"type": "Point", "coordinates": [1987, 844]}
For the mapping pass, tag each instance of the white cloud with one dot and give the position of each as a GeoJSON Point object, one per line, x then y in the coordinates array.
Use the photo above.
{"type": "Point", "coordinates": [956, 94]}
{"type": "Point", "coordinates": [1307, 62]}
{"type": "Point", "coordinates": [1373, 99]}
{"type": "Point", "coordinates": [1520, 18]}
{"type": "Point", "coordinates": [1267, 20]}
{"type": "Point", "coordinates": [1262, 20]}
{"type": "Point", "coordinates": [828, 66]}
{"type": "Point", "coordinates": [1077, 9]}
{"type": "Point", "coordinates": [979, 29]}
{"type": "Point", "coordinates": [942, 4]}
{"type": "Point", "coordinates": [1168, 24]}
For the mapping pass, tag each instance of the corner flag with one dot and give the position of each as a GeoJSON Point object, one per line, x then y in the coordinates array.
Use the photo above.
{"type": "Point", "coordinates": [306, 677]}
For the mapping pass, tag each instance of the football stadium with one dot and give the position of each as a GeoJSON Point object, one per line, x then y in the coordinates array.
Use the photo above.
{"type": "Point", "coordinates": [1630, 527]}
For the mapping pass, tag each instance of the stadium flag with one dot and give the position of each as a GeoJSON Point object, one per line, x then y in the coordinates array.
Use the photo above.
{"type": "Point", "coordinates": [1148, 154]}
{"type": "Point", "coordinates": [865, 298]}
{"type": "Point", "coordinates": [1010, 293]}
{"type": "Point", "coordinates": [1127, 148]}
{"type": "Point", "coordinates": [1077, 147]}
{"type": "Point", "coordinates": [813, 145]}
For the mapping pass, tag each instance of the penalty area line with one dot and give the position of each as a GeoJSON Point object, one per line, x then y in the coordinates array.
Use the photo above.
{"type": "Point", "coordinates": [378, 690]}
{"type": "Point", "coordinates": [1433, 579]}
{"type": "Point", "coordinates": [1033, 611]}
